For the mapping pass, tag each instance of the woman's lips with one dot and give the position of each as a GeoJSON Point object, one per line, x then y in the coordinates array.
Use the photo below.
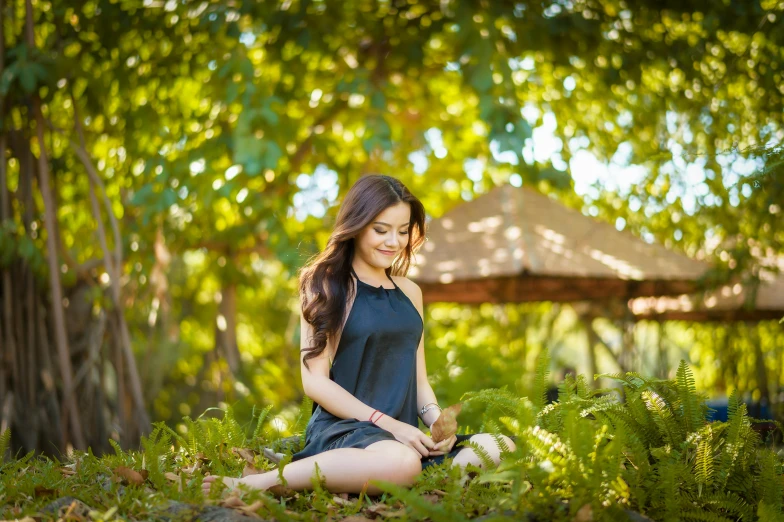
{"type": "Point", "coordinates": [387, 252]}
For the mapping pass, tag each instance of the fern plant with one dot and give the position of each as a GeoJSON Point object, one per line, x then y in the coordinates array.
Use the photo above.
{"type": "Point", "coordinates": [646, 446]}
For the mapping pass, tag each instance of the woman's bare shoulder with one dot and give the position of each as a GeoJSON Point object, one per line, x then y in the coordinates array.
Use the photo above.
{"type": "Point", "coordinates": [410, 288]}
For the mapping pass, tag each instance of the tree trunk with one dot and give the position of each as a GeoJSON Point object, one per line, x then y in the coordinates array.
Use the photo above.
{"type": "Point", "coordinates": [50, 216]}
{"type": "Point", "coordinates": [592, 339]}
{"type": "Point", "coordinates": [7, 345]}
{"type": "Point", "coordinates": [226, 327]}
{"type": "Point", "coordinates": [142, 419]}
{"type": "Point", "coordinates": [760, 366]}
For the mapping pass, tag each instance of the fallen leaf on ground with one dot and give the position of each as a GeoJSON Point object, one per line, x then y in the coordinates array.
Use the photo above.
{"type": "Point", "coordinates": [190, 470]}
{"type": "Point", "coordinates": [131, 476]}
{"type": "Point", "coordinates": [384, 510]}
{"type": "Point", "coordinates": [174, 478]}
{"type": "Point", "coordinates": [41, 491]}
{"type": "Point", "coordinates": [246, 454]}
{"type": "Point", "coordinates": [446, 424]}
{"type": "Point", "coordinates": [232, 501]}
{"type": "Point", "coordinates": [279, 490]}
{"type": "Point", "coordinates": [250, 470]}
{"type": "Point", "coordinates": [251, 509]}
{"type": "Point", "coordinates": [342, 501]}
{"type": "Point", "coordinates": [433, 499]}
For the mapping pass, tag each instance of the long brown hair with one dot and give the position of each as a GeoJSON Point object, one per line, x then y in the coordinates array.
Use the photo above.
{"type": "Point", "coordinates": [325, 281]}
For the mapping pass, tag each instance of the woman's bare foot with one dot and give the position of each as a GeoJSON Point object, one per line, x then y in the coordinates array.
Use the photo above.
{"type": "Point", "coordinates": [232, 483]}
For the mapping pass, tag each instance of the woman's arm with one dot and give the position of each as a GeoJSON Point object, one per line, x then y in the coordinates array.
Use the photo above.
{"type": "Point", "coordinates": [324, 391]}
{"type": "Point", "coordinates": [425, 393]}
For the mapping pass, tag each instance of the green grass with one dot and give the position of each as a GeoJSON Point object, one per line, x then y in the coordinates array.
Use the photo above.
{"type": "Point", "coordinates": [590, 453]}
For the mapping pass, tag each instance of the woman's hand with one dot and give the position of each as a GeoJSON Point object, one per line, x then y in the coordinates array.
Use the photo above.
{"type": "Point", "coordinates": [443, 447]}
{"type": "Point", "coordinates": [408, 435]}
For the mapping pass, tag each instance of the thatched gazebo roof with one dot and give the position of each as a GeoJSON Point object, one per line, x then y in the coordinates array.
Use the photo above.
{"type": "Point", "coordinates": [730, 302]}
{"type": "Point", "coordinates": [515, 245]}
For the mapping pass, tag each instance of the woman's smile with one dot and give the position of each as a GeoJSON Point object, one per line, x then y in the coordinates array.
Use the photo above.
{"type": "Point", "coordinates": [387, 252]}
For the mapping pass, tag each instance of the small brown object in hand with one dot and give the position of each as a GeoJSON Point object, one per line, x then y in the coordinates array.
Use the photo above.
{"type": "Point", "coordinates": [446, 424]}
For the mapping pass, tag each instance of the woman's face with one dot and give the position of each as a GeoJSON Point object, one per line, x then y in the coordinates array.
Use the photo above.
{"type": "Point", "coordinates": [385, 237]}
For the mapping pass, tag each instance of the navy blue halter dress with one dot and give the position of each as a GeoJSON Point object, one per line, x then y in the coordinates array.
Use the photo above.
{"type": "Point", "coordinates": [376, 362]}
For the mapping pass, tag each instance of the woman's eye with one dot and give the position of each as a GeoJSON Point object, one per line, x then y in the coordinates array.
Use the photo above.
{"type": "Point", "coordinates": [378, 231]}
{"type": "Point", "coordinates": [404, 233]}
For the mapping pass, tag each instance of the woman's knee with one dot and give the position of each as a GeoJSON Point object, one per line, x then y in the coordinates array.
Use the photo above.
{"type": "Point", "coordinates": [402, 463]}
{"type": "Point", "coordinates": [491, 447]}
{"type": "Point", "coordinates": [509, 443]}
{"type": "Point", "coordinates": [488, 442]}
{"type": "Point", "coordinates": [410, 465]}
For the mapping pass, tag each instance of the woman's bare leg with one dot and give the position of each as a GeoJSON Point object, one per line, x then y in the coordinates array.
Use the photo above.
{"type": "Point", "coordinates": [467, 455]}
{"type": "Point", "coordinates": [346, 470]}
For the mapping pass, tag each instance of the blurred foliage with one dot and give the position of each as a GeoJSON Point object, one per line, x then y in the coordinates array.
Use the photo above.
{"type": "Point", "coordinates": [226, 132]}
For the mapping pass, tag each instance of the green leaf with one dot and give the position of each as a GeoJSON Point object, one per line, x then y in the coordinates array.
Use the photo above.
{"type": "Point", "coordinates": [27, 79]}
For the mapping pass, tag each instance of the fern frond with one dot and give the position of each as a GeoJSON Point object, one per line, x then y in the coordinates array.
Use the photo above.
{"type": "Point", "coordinates": [769, 482]}
{"type": "Point", "coordinates": [703, 516]}
{"type": "Point", "coordinates": [260, 422]}
{"type": "Point", "coordinates": [687, 395]}
{"type": "Point", "coordinates": [733, 443]}
{"type": "Point", "coordinates": [155, 448]}
{"type": "Point", "coordinates": [502, 398]}
{"type": "Point", "coordinates": [5, 442]}
{"type": "Point", "coordinates": [638, 411]}
{"type": "Point", "coordinates": [305, 409]}
{"type": "Point", "coordinates": [481, 452]}
{"type": "Point", "coordinates": [769, 513]}
{"type": "Point", "coordinates": [117, 449]}
{"type": "Point", "coordinates": [662, 416]}
{"type": "Point", "coordinates": [726, 503]}
{"type": "Point", "coordinates": [704, 465]}
{"type": "Point", "coordinates": [231, 431]}
{"type": "Point", "coordinates": [732, 404]}
{"type": "Point", "coordinates": [544, 444]}
{"type": "Point", "coordinates": [495, 433]}
{"type": "Point", "coordinates": [542, 373]}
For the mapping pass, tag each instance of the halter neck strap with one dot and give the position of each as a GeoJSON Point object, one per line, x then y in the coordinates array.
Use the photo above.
{"type": "Point", "coordinates": [382, 287]}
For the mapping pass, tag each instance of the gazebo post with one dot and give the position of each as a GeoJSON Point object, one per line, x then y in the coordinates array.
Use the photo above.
{"type": "Point", "coordinates": [591, 339]}
{"type": "Point", "coordinates": [662, 352]}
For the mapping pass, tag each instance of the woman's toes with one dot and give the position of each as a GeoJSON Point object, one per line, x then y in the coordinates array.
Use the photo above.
{"type": "Point", "coordinates": [206, 483]}
{"type": "Point", "coordinates": [229, 482]}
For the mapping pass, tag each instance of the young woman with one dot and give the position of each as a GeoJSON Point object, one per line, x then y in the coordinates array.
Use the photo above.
{"type": "Point", "coordinates": [363, 358]}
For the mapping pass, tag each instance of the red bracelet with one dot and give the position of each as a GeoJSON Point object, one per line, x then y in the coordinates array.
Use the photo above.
{"type": "Point", "coordinates": [374, 412]}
